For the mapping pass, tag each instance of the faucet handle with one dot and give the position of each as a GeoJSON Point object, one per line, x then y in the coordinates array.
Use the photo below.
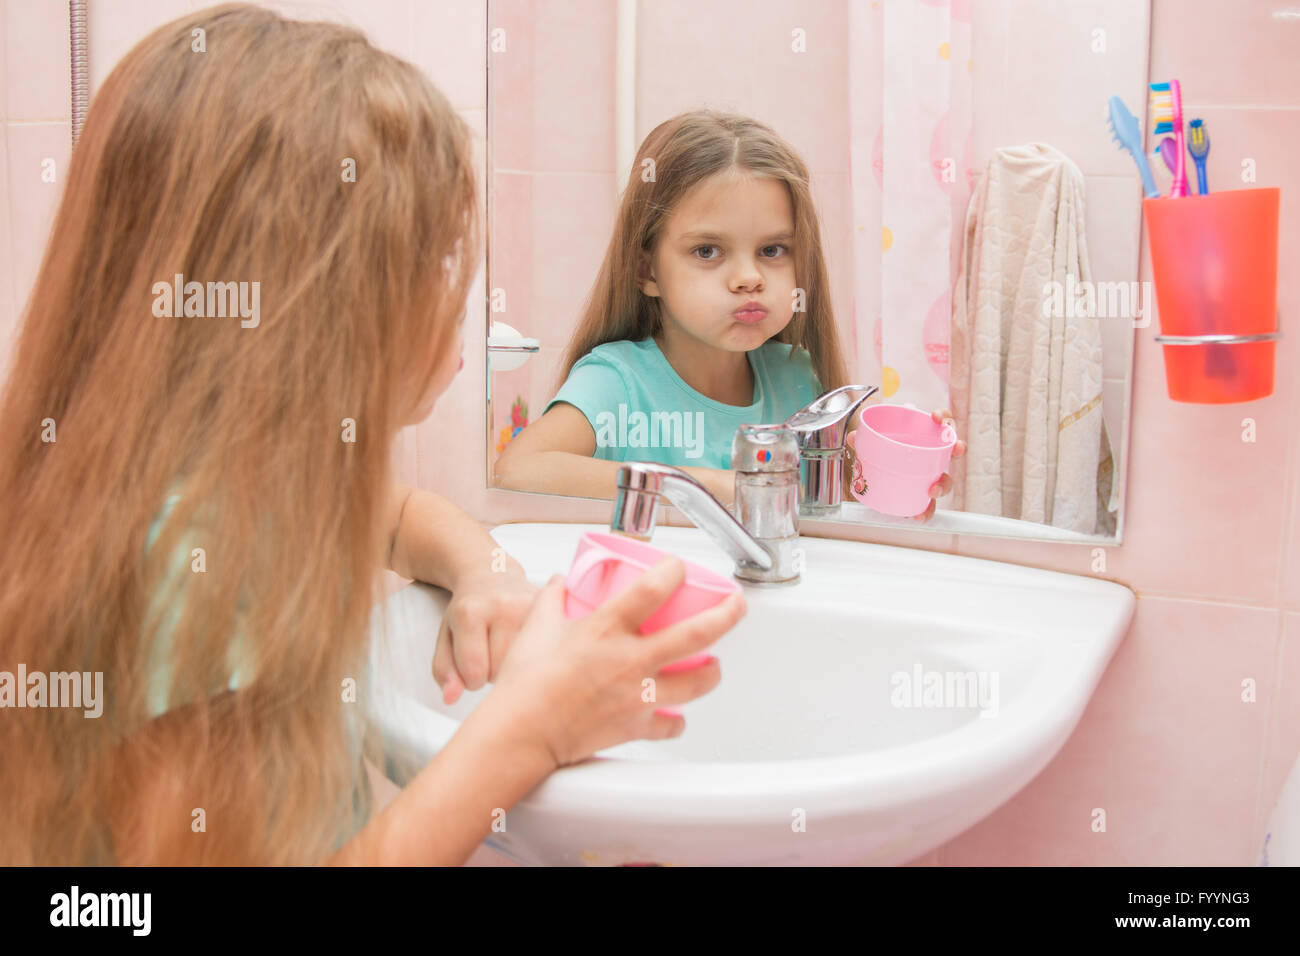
{"type": "Point", "coordinates": [824, 423]}
{"type": "Point", "coordinates": [764, 448]}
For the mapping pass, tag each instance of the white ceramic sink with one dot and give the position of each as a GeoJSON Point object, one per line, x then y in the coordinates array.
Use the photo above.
{"type": "Point", "coordinates": [807, 752]}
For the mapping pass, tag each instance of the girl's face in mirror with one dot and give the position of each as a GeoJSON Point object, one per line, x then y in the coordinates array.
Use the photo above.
{"type": "Point", "coordinates": [729, 242]}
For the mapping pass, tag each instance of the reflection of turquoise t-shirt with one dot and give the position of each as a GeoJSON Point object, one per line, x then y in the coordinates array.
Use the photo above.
{"type": "Point", "coordinates": [159, 670]}
{"type": "Point", "coordinates": [642, 410]}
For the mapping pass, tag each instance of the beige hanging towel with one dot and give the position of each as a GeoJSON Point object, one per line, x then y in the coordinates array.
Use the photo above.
{"type": "Point", "coordinates": [1026, 369]}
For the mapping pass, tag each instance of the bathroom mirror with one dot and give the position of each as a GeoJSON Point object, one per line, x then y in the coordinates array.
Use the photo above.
{"type": "Point", "coordinates": [978, 228]}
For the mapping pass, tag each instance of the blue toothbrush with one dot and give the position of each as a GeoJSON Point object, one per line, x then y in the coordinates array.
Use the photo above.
{"type": "Point", "coordinates": [1124, 128]}
{"type": "Point", "coordinates": [1198, 146]}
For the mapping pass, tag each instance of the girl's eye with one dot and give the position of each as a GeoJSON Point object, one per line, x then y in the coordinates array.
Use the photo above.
{"type": "Point", "coordinates": [783, 250]}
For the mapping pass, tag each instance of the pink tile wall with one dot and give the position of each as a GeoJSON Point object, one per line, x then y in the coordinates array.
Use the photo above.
{"type": "Point", "coordinates": [1185, 770]}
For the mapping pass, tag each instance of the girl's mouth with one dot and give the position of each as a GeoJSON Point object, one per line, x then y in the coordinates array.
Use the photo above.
{"type": "Point", "coordinates": [749, 316]}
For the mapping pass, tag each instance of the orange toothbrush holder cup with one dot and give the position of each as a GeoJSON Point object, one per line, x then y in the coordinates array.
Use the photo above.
{"type": "Point", "coordinates": [1214, 258]}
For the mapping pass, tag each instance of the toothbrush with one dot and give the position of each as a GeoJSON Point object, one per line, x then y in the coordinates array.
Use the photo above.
{"type": "Point", "coordinates": [1198, 145]}
{"type": "Point", "coordinates": [1166, 151]}
{"type": "Point", "coordinates": [1219, 361]}
{"type": "Point", "coordinates": [1167, 112]}
{"type": "Point", "coordinates": [1124, 130]}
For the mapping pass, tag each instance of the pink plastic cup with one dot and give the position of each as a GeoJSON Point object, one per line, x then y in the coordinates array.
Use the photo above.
{"type": "Point", "coordinates": [607, 564]}
{"type": "Point", "coordinates": [899, 452]}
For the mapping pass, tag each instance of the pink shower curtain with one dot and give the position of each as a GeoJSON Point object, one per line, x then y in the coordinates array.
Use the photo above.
{"type": "Point", "coordinates": [910, 101]}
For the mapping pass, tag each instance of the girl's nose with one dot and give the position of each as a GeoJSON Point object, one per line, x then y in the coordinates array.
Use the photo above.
{"type": "Point", "coordinates": [462, 363]}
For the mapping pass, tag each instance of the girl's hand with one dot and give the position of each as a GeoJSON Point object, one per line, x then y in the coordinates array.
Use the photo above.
{"type": "Point", "coordinates": [576, 687]}
{"type": "Point", "coordinates": [486, 611]}
{"type": "Point", "coordinates": [944, 484]}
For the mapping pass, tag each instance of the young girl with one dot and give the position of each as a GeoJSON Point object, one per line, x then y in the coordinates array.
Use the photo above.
{"type": "Point", "coordinates": [196, 501]}
{"type": "Point", "coordinates": [712, 309]}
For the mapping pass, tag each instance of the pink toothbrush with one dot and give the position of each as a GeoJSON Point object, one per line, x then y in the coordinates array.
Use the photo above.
{"type": "Point", "coordinates": [1167, 111]}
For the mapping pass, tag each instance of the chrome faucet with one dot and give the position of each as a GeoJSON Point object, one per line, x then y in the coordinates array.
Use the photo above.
{"type": "Point", "coordinates": [764, 541]}
{"type": "Point", "coordinates": [820, 430]}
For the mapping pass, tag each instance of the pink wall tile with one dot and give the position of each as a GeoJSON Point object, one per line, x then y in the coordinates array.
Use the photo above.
{"type": "Point", "coordinates": [4, 70]}
{"type": "Point", "coordinates": [32, 201]}
{"type": "Point", "coordinates": [804, 95]}
{"type": "Point", "coordinates": [1231, 54]}
{"type": "Point", "coordinates": [1048, 63]}
{"type": "Point", "coordinates": [681, 69]}
{"type": "Point", "coordinates": [833, 198]}
{"type": "Point", "coordinates": [1290, 567]}
{"type": "Point", "coordinates": [572, 219]}
{"type": "Point", "coordinates": [511, 86]}
{"type": "Point", "coordinates": [36, 55]}
{"type": "Point", "coordinates": [449, 43]}
{"type": "Point", "coordinates": [1283, 745]}
{"type": "Point", "coordinates": [1112, 212]}
{"type": "Point", "coordinates": [511, 263]}
{"type": "Point", "coordinates": [8, 311]}
{"type": "Point", "coordinates": [1114, 400]}
{"type": "Point", "coordinates": [1167, 748]}
{"type": "Point", "coordinates": [572, 87]}
{"type": "Point", "coordinates": [113, 27]}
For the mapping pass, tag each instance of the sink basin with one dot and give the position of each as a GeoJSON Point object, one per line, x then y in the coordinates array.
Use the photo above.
{"type": "Point", "coordinates": [889, 700]}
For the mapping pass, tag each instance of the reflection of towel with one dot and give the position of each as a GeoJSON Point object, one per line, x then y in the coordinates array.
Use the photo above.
{"type": "Point", "coordinates": [1026, 377]}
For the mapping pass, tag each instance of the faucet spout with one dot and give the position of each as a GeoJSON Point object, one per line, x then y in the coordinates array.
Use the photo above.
{"type": "Point", "coordinates": [641, 485]}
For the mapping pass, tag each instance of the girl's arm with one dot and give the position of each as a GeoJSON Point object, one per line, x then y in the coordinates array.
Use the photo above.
{"type": "Point", "coordinates": [553, 456]}
{"type": "Point", "coordinates": [433, 540]}
{"type": "Point", "coordinates": [447, 810]}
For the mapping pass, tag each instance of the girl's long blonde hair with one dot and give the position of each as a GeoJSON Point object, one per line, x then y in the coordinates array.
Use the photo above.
{"type": "Point", "coordinates": [297, 156]}
{"type": "Point", "coordinates": [686, 150]}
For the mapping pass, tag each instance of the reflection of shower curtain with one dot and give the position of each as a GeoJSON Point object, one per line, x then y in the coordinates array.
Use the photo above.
{"type": "Point", "coordinates": [909, 92]}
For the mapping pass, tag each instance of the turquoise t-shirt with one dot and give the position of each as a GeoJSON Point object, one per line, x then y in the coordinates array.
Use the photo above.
{"type": "Point", "coordinates": [159, 671]}
{"type": "Point", "coordinates": [642, 410]}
